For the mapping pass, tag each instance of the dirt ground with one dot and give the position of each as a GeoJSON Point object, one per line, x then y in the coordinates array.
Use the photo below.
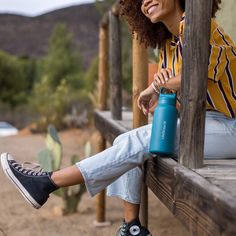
{"type": "Point", "coordinates": [17, 218]}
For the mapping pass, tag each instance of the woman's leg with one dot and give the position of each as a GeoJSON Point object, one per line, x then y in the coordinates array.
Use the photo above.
{"type": "Point", "coordinates": [97, 171]}
{"type": "Point", "coordinates": [131, 211]}
{"type": "Point", "coordinates": [104, 168]}
{"type": "Point", "coordinates": [67, 177]}
{"type": "Point", "coordinates": [127, 187]}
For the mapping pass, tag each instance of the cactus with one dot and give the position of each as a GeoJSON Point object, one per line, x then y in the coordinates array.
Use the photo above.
{"type": "Point", "coordinates": [50, 160]}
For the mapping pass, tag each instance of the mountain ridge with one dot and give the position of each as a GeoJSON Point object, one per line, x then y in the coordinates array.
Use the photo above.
{"type": "Point", "coordinates": [29, 35]}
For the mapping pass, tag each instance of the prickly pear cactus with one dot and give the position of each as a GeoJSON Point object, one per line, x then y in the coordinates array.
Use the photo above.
{"type": "Point", "coordinates": [87, 149]}
{"type": "Point", "coordinates": [50, 160]}
{"type": "Point", "coordinates": [45, 160]}
{"type": "Point", "coordinates": [54, 145]}
{"type": "Point", "coordinates": [72, 194]}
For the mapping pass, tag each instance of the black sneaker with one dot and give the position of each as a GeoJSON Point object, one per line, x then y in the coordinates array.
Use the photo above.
{"type": "Point", "coordinates": [35, 186]}
{"type": "Point", "coordinates": [133, 228]}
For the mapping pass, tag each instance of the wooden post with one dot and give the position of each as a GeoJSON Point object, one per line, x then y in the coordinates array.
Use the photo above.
{"type": "Point", "coordinates": [103, 67]}
{"type": "Point", "coordinates": [101, 197]}
{"type": "Point", "coordinates": [194, 82]}
{"type": "Point", "coordinates": [140, 82]}
{"type": "Point", "coordinates": [102, 98]}
{"type": "Point", "coordinates": [115, 65]}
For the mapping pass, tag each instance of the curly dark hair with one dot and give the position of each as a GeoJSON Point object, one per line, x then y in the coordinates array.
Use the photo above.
{"type": "Point", "coordinates": [153, 35]}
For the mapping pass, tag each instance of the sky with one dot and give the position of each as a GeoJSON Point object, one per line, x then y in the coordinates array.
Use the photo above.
{"type": "Point", "coordinates": [36, 7]}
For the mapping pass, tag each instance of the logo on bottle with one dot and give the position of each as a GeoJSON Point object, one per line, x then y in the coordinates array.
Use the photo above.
{"type": "Point", "coordinates": [163, 131]}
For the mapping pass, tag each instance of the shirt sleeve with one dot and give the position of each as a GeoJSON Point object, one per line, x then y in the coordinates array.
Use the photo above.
{"type": "Point", "coordinates": [217, 61]}
{"type": "Point", "coordinates": [222, 52]}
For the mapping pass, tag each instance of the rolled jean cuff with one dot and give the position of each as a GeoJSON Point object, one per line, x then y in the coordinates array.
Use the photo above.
{"type": "Point", "coordinates": [125, 198]}
{"type": "Point", "coordinates": [85, 177]}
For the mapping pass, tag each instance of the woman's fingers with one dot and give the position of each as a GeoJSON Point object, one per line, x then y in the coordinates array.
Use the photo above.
{"type": "Point", "coordinates": [162, 77]}
{"type": "Point", "coordinates": [143, 109]}
{"type": "Point", "coordinates": [167, 74]}
{"type": "Point", "coordinates": [170, 73]}
{"type": "Point", "coordinates": [139, 102]}
{"type": "Point", "coordinates": [142, 104]}
{"type": "Point", "coordinates": [157, 84]}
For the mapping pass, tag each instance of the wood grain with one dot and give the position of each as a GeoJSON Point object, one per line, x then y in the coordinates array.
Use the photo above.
{"type": "Point", "coordinates": [202, 207]}
{"type": "Point", "coordinates": [194, 82]}
{"type": "Point", "coordinates": [115, 66]}
{"type": "Point", "coordinates": [109, 127]}
{"type": "Point", "coordinates": [103, 68]}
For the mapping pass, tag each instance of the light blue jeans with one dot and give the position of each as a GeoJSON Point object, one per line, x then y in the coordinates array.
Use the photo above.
{"type": "Point", "coordinates": [119, 166]}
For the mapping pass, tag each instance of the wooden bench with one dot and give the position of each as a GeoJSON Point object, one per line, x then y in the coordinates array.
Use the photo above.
{"type": "Point", "coordinates": [204, 199]}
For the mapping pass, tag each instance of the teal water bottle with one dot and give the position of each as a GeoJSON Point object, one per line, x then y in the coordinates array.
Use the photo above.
{"type": "Point", "coordinates": [164, 125]}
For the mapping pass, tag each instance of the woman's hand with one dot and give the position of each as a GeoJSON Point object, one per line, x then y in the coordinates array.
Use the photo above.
{"type": "Point", "coordinates": [161, 78]}
{"type": "Point", "coordinates": [146, 99]}
{"type": "Point", "coordinates": [166, 80]}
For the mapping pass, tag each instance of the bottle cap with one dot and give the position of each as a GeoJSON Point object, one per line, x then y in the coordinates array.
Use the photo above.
{"type": "Point", "coordinates": [167, 98]}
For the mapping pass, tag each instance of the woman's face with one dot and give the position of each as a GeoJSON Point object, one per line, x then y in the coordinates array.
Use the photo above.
{"type": "Point", "coordinates": [158, 10]}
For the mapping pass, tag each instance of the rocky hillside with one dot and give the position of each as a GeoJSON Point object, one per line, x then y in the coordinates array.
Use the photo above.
{"type": "Point", "coordinates": [20, 35]}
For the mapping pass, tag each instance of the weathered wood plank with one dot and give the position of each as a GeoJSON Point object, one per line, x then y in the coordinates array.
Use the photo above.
{"type": "Point", "coordinates": [194, 82]}
{"type": "Point", "coordinates": [221, 173]}
{"type": "Point", "coordinates": [111, 128]}
{"type": "Point", "coordinates": [218, 173]}
{"type": "Point", "coordinates": [219, 162]}
{"type": "Point", "coordinates": [228, 185]}
{"type": "Point", "coordinates": [203, 208]}
{"type": "Point", "coordinates": [115, 65]}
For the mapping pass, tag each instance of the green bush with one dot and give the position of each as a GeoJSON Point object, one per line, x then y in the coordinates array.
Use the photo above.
{"type": "Point", "coordinates": [50, 104]}
{"type": "Point", "coordinates": [63, 61]}
{"type": "Point", "coordinates": [91, 76]}
{"type": "Point", "coordinates": [13, 83]}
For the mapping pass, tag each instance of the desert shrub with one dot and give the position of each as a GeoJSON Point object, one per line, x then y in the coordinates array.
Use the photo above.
{"type": "Point", "coordinates": [91, 75]}
{"type": "Point", "coordinates": [63, 61]}
{"type": "Point", "coordinates": [50, 104]}
{"type": "Point", "coordinates": [13, 83]}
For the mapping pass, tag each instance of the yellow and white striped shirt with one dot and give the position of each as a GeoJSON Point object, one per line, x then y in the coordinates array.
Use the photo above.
{"type": "Point", "coordinates": [221, 91]}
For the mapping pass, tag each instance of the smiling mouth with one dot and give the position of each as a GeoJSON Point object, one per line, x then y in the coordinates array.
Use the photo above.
{"type": "Point", "coordinates": [152, 9]}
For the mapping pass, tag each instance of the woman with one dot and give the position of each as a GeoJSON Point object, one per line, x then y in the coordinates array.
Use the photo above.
{"type": "Point", "coordinates": [158, 23]}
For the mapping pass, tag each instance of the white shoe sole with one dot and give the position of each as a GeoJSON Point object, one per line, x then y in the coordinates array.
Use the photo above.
{"type": "Point", "coordinates": [7, 170]}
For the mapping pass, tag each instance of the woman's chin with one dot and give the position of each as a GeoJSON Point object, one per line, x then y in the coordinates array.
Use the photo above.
{"type": "Point", "coordinates": [155, 19]}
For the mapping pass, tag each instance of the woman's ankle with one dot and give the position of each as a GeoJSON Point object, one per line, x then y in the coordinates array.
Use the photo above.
{"type": "Point", "coordinates": [131, 211]}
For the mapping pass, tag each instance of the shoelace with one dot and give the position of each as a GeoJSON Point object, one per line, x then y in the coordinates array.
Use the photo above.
{"type": "Point", "coordinates": [34, 170]}
{"type": "Point", "coordinates": [122, 229]}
